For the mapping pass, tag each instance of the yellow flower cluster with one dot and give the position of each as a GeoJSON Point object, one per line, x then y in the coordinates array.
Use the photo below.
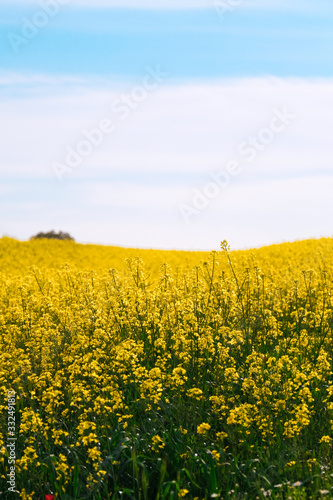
{"type": "Point", "coordinates": [157, 443]}
{"type": "Point", "coordinates": [203, 428]}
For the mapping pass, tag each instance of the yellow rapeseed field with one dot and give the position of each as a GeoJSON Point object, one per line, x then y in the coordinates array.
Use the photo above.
{"type": "Point", "coordinates": [142, 374]}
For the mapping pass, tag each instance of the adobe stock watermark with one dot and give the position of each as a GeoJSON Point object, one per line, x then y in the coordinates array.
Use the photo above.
{"type": "Point", "coordinates": [95, 137]}
{"type": "Point", "coordinates": [11, 444]}
{"type": "Point", "coordinates": [223, 7]}
{"type": "Point", "coordinates": [249, 149]}
{"type": "Point", "coordinates": [40, 19]}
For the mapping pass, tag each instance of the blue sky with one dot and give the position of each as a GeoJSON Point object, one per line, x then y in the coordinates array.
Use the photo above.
{"type": "Point", "coordinates": [244, 82]}
{"type": "Point", "coordinates": [193, 43]}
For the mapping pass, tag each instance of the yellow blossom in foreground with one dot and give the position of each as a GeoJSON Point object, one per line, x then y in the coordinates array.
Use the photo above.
{"type": "Point", "coordinates": [94, 454]}
{"type": "Point", "coordinates": [203, 428]}
{"type": "Point", "coordinates": [221, 435]}
{"type": "Point", "coordinates": [25, 496]}
{"type": "Point", "coordinates": [325, 439]}
{"type": "Point", "coordinates": [195, 393]}
{"type": "Point", "coordinates": [157, 443]}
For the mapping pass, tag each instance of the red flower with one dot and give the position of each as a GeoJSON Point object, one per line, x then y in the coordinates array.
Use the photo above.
{"type": "Point", "coordinates": [49, 497]}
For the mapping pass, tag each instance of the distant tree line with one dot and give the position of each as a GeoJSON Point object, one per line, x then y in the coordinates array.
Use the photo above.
{"type": "Point", "coordinates": [52, 235]}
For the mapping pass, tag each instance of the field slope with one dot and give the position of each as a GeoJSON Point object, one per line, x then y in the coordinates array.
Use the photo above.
{"type": "Point", "coordinates": [161, 375]}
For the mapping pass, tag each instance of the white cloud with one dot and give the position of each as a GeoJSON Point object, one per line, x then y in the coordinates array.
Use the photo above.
{"type": "Point", "coordinates": [179, 128]}
{"type": "Point", "coordinates": [247, 215]}
{"type": "Point", "coordinates": [129, 190]}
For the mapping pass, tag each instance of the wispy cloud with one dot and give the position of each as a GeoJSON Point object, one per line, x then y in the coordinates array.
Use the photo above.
{"type": "Point", "coordinates": [190, 127]}
{"type": "Point", "coordinates": [168, 147]}
{"type": "Point", "coordinates": [129, 214]}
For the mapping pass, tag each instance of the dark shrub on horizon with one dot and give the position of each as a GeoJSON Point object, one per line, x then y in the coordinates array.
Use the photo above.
{"type": "Point", "coordinates": [51, 235]}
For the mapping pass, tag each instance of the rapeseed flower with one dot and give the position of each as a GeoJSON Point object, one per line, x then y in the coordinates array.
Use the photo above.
{"type": "Point", "coordinates": [203, 428]}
